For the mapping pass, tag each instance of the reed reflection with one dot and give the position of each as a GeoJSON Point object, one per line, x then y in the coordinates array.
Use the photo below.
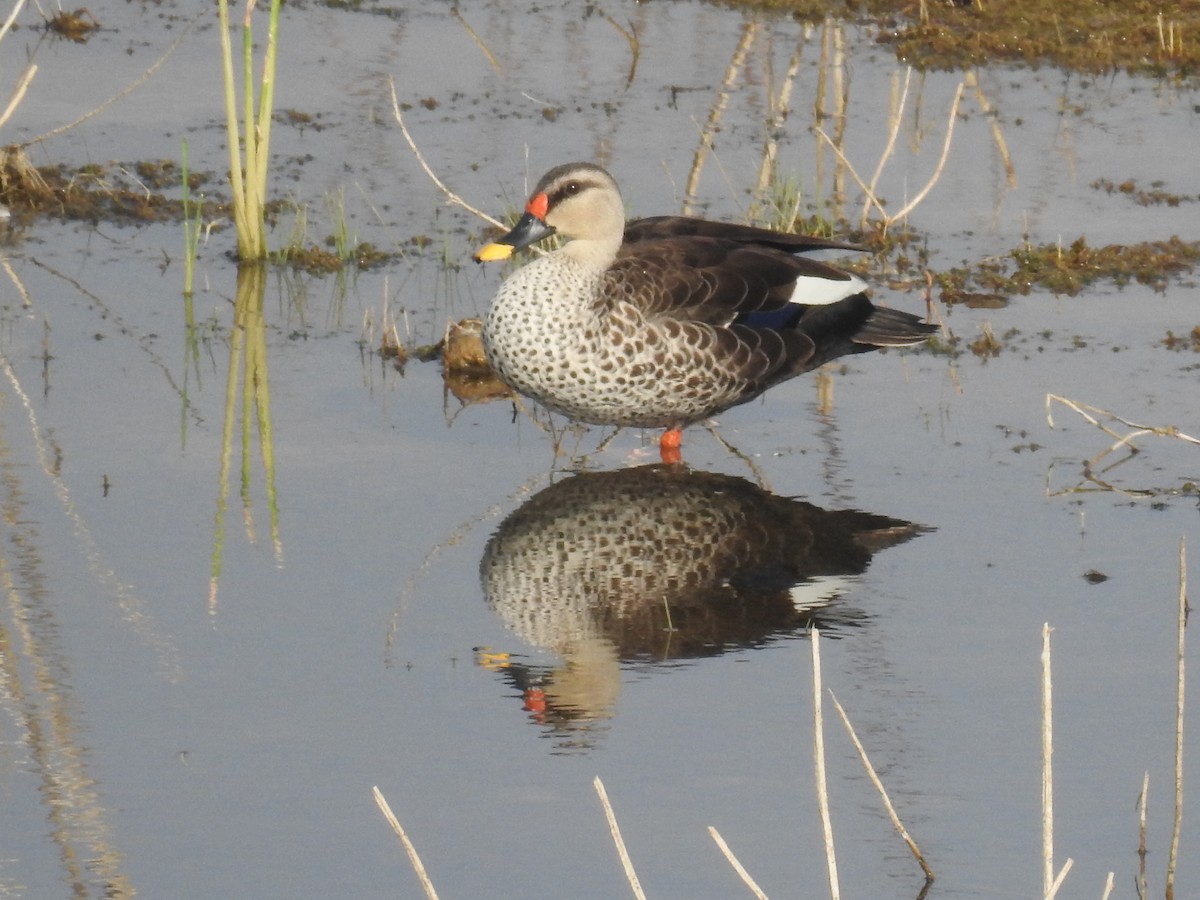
{"type": "Point", "coordinates": [659, 564]}
{"type": "Point", "coordinates": [247, 392]}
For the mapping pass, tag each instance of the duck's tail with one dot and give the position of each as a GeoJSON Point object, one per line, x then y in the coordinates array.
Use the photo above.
{"type": "Point", "coordinates": [892, 328]}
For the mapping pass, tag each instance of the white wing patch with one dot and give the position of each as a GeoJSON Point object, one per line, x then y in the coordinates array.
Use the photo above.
{"type": "Point", "coordinates": [813, 291]}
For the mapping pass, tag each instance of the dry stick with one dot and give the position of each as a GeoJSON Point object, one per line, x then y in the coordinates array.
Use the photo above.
{"type": "Point", "coordinates": [745, 42]}
{"type": "Point", "coordinates": [408, 845]}
{"type": "Point", "coordinates": [635, 46]}
{"type": "Point", "coordinates": [1086, 412]}
{"type": "Point", "coordinates": [449, 194]}
{"type": "Point", "coordinates": [896, 115]}
{"type": "Point", "coordinates": [16, 280]}
{"type": "Point", "coordinates": [1183, 614]}
{"type": "Point", "coordinates": [1141, 879]}
{"type": "Point", "coordinates": [819, 764]}
{"type": "Point", "coordinates": [972, 80]}
{"type": "Point", "coordinates": [887, 802]}
{"type": "Point", "coordinates": [819, 103]}
{"type": "Point", "coordinates": [1047, 767]}
{"type": "Point", "coordinates": [779, 114]}
{"type": "Point", "coordinates": [1053, 892]}
{"type": "Point", "coordinates": [937, 172]}
{"type": "Point", "coordinates": [1108, 887]}
{"type": "Point", "coordinates": [841, 98]}
{"type": "Point", "coordinates": [478, 41]}
{"type": "Point", "coordinates": [872, 199]}
{"type": "Point", "coordinates": [18, 93]}
{"type": "Point", "coordinates": [737, 866]}
{"type": "Point", "coordinates": [125, 91]}
{"type": "Point", "coordinates": [616, 836]}
{"type": "Point", "coordinates": [12, 16]}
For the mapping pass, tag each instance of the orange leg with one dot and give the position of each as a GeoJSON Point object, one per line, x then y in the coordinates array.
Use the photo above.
{"type": "Point", "coordinates": [670, 446]}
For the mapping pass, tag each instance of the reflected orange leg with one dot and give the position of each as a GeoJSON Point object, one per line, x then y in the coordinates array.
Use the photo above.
{"type": "Point", "coordinates": [670, 446]}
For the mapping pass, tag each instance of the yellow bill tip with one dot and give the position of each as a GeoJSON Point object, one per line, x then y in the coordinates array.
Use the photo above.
{"type": "Point", "coordinates": [493, 251]}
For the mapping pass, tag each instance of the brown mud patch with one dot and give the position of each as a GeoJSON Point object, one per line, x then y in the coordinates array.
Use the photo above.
{"type": "Point", "coordinates": [1094, 36]}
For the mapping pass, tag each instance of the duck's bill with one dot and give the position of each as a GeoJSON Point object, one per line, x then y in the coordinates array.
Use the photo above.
{"type": "Point", "coordinates": [528, 230]}
{"type": "Point", "coordinates": [493, 251]}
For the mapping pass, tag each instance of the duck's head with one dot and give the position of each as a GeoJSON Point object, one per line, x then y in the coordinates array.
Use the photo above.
{"type": "Point", "coordinates": [579, 201]}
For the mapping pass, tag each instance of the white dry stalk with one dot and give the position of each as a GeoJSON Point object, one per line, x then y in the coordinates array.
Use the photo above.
{"type": "Point", "coordinates": [745, 42]}
{"type": "Point", "coordinates": [819, 765]}
{"type": "Point", "coordinates": [124, 92]}
{"type": "Point", "coordinates": [989, 111]}
{"type": "Point", "coordinates": [446, 192]}
{"type": "Point", "coordinates": [18, 93]}
{"type": "Point", "coordinates": [887, 802]}
{"type": "Point", "coordinates": [779, 113]}
{"type": "Point", "coordinates": [1142, 800]}
{"type": "Point", "coordinates": [1093, 414]}
{"type": "Point", "coordinates": [897, 117]}
{"type": "Point", "coordinates": [12, 17]}
{"type": "Point", "coordinates": [615, 830]}
{"type": "Point", "coordinates": [937, 172]}
{"type": "Point", "coordinates": [736, 863]}
{"type": "Point", "coordinates": [1047, 768]}
{"type": "Point", "coordinates": [1172, 856]}
{"type": "Point", "coordinates": [1062, 875]}
{"type": "Point", "coordinates": [413, 857]}
{"type": "Point", "coordinates": [869, 189]}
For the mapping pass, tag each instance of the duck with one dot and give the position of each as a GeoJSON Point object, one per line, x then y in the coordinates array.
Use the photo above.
{"type": "Point", "coordinates": [666, 321]}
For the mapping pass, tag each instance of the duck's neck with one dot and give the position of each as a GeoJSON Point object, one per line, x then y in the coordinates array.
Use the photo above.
{"type": "Point", "coordinates": [593, 253]}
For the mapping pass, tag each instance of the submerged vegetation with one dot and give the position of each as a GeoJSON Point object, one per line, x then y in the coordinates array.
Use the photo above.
{"type": "Point", "coordinates": [1082, 35]}
{"type": "Point", "coordinates": [1068, 269]}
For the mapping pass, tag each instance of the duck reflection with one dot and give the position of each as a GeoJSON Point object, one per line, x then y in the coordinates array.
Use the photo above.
{"type": "Point", "coordinates": [657, 564]}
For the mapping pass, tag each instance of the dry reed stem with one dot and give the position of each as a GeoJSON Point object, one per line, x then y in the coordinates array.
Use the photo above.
{"type": "Point", "coordinates": [16, 280]}
{"type": "Point", "coordinates": [745, 42]}
{"type": "Point", "coordinates": [12, 17]}
{"type": "Point", "coordinates": [450, 196]}
{"type": "Point", "coordinates": [452, 539]}
{"type": "Point", "coordinates": [841, 98]}
{"type": "Point", "coordinates": [869, 189]}
{"type": "Point", "coordinates": [819, 101]}
{"type": "Point", "coordinates": [496, 67]}
{"type": "Point", "coordinates": [1057, 883]}
{"type": "Point", "coordinates": [972, 80]}
{"type": "Point", "coordinates": [887, 802]}
{"type": "Point", "coordinates": [736, 863]}
{"type": "Point", "coordinates": [615, 829]}
{"type": "Point", "coordinates": [413, 857]}
{"type": "Point", "coordinates": [937, 172]}
{"type": "Point", "coordinates": [819, 766]}
{"type": "Point", "coordinates": [1087, 411]}
{"type": "Point", "coordinates": [1108, 887]}
{"type": "Point", "coordinates": [896, 117]}
{"type": "Point", "coordinates": [780, 106]}
{"type": "Point", "coordinates": [1047, 767]}
{"type": "Point", "coordinates": [760, 477]}
{"type": "Point", "coordinates": [18, 93]}
{"type": "Point", "coordinates": [124, 92]}
{"type": "Point", "coordinates": [1142, 799]}
{"type": "Point", "coordinates": [1183, 616]}
{"type": "Point", "coordinates": [871, 198]}
{"type": "Point", "coordinates": [635, 46]}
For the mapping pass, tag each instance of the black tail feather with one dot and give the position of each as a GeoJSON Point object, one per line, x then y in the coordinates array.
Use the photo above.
{"type": "Point", "coordinates": [892, 328]}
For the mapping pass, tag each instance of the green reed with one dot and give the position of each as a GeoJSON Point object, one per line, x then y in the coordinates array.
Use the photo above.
{"type": "Point", "coordinates": [249, 151]}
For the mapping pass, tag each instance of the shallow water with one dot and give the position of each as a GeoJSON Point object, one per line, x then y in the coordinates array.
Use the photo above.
{"type": "Point", "coordinates": [197, 700]}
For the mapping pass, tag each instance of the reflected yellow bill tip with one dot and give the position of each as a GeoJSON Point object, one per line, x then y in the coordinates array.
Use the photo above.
{"type": "Point", "coordinates": [493, 251]}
